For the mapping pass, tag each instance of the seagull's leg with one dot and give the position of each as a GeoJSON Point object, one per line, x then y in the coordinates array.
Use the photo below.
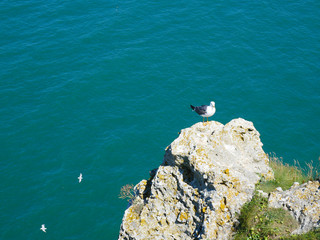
{"type": "Point", "coordinates": [207, 122]}
{"type": "Point", "coordinates": [204, 122]}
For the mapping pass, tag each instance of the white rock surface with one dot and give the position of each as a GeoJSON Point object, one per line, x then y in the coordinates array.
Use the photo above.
{"type": "Point", "coordinates": [207, 174]}
{"type": "Point", "coordinates": [262, 193]}
{"type": "Point", "coordinates": [303, 203]}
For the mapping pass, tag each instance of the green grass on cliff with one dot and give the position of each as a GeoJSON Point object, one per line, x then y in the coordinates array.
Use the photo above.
{"type": "Point", "coordinates": [313, 235]}
{"type": "Point", "coordinates": [285, 175]}
{"type": "Point", "coordinates": [259, 222]}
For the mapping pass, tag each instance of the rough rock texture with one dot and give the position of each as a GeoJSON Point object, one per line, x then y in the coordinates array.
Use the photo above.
{"type": "Point", "coordinates": [303, 202]}
{"type": "Point", "coordinates": [207, 174]}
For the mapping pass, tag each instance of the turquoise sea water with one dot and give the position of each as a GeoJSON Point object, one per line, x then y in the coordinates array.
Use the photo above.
{"type": "Point", "coordinates": [102, 87]}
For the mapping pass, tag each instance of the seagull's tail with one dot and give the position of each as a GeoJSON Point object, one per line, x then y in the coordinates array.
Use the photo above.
{"type": "Point", "coordinates": [192, 107]}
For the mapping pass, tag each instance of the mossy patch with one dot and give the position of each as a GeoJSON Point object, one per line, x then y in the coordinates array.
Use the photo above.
{"type": "Point", "coordinates": [258, 221]}
{"type": "Point", "coordinates": [312, 235]}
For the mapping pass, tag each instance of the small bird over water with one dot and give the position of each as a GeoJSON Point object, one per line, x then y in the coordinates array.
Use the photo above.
{"type": "Point", "coordinates": [205, 110]}
{"type": "Point", "coordinates": [43, 228]}
{"type": "Point", "coordinates": [80, 178]}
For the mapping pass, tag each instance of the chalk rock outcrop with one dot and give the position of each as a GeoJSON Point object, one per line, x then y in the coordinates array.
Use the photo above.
{"type": "Point", "coordinates": [207, 174]}
{"type": "Point", "coordinates": [303, 202]}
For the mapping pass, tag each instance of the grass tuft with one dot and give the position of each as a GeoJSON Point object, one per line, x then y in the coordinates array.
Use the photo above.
{"type": "Point", "coordinates": [313, 235]}
{"type": "Point", "coordinates": [127, 192]}
{"type": "Point", "coordinates": [284, 175]}
{"type": "Point", "coordinates": [258, 221]}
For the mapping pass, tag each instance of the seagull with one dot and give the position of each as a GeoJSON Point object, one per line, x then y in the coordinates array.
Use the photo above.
{"type": "Point", "coordinates": [80, 178]}
{"type": "Point", "coordinates": [205, 110]}
{"type": "Point", "coordinates": [43, 228]}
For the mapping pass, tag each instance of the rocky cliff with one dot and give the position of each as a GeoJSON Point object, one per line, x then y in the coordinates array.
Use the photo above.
{"type": "Point", "coordinates": [303, 203]}
{"type": "Point", "coordinates": [207, 174]}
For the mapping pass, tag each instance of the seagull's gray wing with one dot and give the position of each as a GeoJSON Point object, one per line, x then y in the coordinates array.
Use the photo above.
{"type": "Point", "coordinates": [201, 109]}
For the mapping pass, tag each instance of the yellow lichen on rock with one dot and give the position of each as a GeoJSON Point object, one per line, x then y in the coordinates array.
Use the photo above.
{"type": "Point", "coordinates": [207, 174]}
{"type": "Point", "coordinates": [183, 216]}
{"type": "Point", "coordinates": [163, 222]}
{"type": "Point", "coordinates": [302, 201]}
{"type": "Point", "coordinates": [140, 187]}
{"type": "Point", "coordinates": [131, 215]}
{"type": "Point", "coordinates": [143, 222]}
{"type": "Point", "coordinates": [222, 205]}
{"type": "Point", "coordinates": [204, 209]}
{"type": "Point", "coordinates": [161, 177]}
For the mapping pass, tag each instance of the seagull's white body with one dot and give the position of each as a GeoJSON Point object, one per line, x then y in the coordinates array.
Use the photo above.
{"type": "Point", "coordinates": [80, 178]}
{"type": "Point", "coordinates": [205, 110]}
{"type": "Point", "coordinates": [211, 109]}
{"type": "Point", "coordinates": [43, 228]}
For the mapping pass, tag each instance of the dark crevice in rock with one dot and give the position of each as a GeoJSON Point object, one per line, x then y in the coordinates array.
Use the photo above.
{"type": "Point", "coordinates": [147, 190]}
{"type": "Point", "coordinates": [126, 236]}
{"type": "Point", "coordinates": [199, 228]}
{"type": "Point", "coordinates": [168, 157]}
{"type": "Point", "coordinates": [193, 178]}
{"type": "Point", "coordinates": [187, 175]}
{"type": "Point", "coordinates": [152, 173]}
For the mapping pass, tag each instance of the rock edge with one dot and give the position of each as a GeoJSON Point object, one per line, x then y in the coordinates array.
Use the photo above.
{"type": "Point", "coordinates": [207, 174]}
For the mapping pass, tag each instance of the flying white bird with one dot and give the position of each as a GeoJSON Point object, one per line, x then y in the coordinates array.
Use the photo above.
{"type": "Point", "coordinates": [80, 178]}
{"type": "Point", "coordinates": [43, 228]}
